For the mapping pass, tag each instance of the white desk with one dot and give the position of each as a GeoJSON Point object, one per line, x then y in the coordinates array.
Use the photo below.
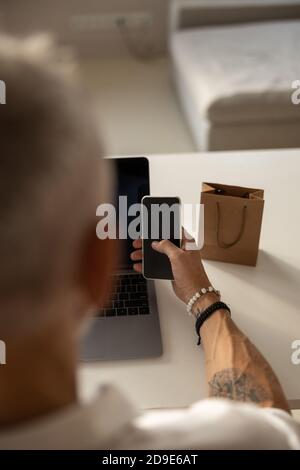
{"type": "Point", "coordinates": [265, 300]}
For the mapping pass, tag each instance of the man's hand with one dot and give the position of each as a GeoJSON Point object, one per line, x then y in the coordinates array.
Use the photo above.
{"type": "Point", "coordinates": [187, 267]}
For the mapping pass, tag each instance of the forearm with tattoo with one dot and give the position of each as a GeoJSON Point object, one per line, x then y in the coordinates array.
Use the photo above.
{"type": "Point", "coordinates": [235, 368]}
{"type": "Point", "coordinates": [238, 386]}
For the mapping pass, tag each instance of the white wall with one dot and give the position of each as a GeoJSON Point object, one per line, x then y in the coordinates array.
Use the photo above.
{"type": "Point", "coordinates": [27, 16]}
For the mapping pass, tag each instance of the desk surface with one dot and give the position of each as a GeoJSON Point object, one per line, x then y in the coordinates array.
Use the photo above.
{"type": "Point", "coordinates": [265, 300]}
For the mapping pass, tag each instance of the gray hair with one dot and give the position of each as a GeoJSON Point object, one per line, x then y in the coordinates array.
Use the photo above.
{"type": "Point", "coordinates": [49, 162]}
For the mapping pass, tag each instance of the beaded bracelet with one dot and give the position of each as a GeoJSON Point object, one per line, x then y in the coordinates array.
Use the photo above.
{"type": "Point", "coordinates": [203, 291]}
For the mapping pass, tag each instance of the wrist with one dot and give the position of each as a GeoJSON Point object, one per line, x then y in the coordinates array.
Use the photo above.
{"type": "Point", "coordinates": [214, 319]}
{"type": "Point", "coordinates": [212, 325]}
{"type": "Point", "coordinates": [204, 302]}
{"type": "Point", "coordinates": [203, 316]}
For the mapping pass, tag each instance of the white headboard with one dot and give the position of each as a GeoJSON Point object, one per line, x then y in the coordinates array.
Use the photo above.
{"type": "Point", "coordinates": [193, 13]}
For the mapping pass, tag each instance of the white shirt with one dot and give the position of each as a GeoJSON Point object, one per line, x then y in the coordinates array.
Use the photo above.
{"type": "Point", "coordinates": [111, 422]}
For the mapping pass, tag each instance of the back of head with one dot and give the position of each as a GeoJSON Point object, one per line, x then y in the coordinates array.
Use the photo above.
{"type": "Point", "coordinates": [49, 173]}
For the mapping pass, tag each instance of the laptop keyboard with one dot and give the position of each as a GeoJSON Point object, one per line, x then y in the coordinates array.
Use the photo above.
{"type": "Point", "coordinates": [128, 297]}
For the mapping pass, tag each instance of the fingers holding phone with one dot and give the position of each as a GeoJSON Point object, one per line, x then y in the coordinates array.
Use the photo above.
{"type": "Point", "coordinates": [137, 256]}
{"type": "Point", "coordinates": [169, 258]}
{"type": "Point", "coordinates": [161, 224]}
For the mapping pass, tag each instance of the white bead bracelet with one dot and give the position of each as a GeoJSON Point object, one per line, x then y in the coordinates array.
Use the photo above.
{"type": "Point", "coordinates": [203, 291]}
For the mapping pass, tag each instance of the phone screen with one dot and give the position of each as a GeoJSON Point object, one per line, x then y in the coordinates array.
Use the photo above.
{"type": "Point", "coordinates": [160, 221]}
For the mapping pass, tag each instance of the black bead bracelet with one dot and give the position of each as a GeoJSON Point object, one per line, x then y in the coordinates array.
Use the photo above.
{"type": "Point", "coordinates": [205, 314]}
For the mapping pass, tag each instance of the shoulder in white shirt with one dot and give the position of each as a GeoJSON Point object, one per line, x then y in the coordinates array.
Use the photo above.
{"type": "Point", "coordinates": [112, 422]}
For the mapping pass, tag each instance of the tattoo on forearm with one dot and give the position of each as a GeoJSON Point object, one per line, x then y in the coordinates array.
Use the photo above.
{"type": "Point", "coordinates": [238, 386]}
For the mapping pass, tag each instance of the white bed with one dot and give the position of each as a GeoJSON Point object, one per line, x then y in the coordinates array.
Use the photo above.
{"type": "Point", "coordinates": [235, 83]}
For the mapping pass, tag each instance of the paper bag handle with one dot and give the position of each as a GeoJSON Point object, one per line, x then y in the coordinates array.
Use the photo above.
{"type": "Point", "coordinates": [241, 232]}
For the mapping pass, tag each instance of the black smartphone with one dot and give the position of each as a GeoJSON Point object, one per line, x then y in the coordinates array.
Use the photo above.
{"type": "Point", "coordinates": [160, 221]}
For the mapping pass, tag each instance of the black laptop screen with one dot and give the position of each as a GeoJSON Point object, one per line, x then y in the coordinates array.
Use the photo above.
{"type": "Point", "coordinates": [133, 182]}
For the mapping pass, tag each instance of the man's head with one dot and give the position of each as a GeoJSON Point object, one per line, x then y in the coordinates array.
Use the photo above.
{"type": "Point", "coordinates": [51, 181]}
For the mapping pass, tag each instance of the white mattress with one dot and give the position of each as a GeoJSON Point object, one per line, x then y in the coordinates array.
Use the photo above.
{"type": "Point", "coordinates": [240, 73]}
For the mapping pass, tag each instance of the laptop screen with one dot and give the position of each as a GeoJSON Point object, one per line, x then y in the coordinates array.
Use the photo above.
{"type": "Point", "coordinates": [133, 182]}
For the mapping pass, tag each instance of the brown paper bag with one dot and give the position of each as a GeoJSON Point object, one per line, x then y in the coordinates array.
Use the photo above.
{"type": "Point", "coordinates": [232, 223]}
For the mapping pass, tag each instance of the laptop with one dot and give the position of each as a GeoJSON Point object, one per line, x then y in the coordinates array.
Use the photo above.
{"type": "Point", "coordinates": [128, 326]}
